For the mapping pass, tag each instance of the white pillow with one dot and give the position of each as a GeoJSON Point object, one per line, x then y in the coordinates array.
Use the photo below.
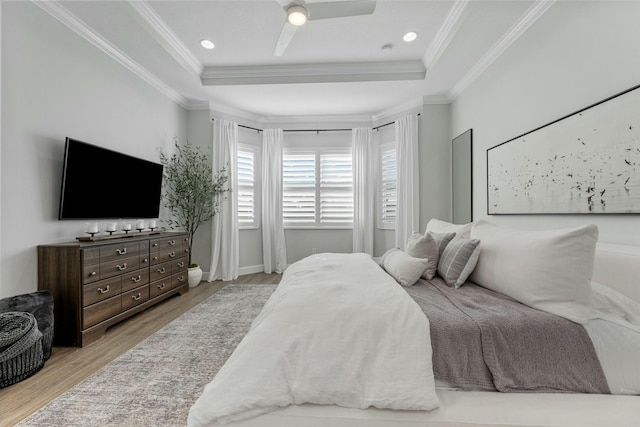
{"type": "Point", "coordinates": [549, 269]}
{"type": "Point", "coordinates": [404, 268]}
{"type": "Point", "coordinates": [438, 226]}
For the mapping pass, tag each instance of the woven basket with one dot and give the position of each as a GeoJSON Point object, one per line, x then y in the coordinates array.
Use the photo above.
{"type": "Point", "coordinates": [20, 347]}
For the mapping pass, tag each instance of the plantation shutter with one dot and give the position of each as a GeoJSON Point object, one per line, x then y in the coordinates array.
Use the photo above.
{"type": "Point", "coordinates": [299, 189]}
{"type": "Point", "coordinates": [246, 187]}
{"type": "Point", "coordinates": [389, 186]}
{"type": "Point", "coordinates": [336, 189]}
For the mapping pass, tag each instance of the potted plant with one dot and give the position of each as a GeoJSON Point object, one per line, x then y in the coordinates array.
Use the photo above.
{"type": "Point", "coordinates": [192, 193]}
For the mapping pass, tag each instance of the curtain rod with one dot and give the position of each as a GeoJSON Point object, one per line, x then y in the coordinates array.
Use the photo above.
{"type": "Point", "coordinates": [387, 124]}
{"type": "Point", "coordinates": [315, 130]}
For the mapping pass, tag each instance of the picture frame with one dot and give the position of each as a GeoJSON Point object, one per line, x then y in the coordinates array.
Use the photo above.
{"type": "Point", "coordinates": [587, 162]}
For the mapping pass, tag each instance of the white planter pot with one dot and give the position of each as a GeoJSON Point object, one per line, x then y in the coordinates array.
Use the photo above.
{"type": "Point", "coordinates": [194, 276]}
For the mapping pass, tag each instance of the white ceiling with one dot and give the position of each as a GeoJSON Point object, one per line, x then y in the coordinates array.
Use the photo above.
{"type": "Point", "coordinates": [332, 68]}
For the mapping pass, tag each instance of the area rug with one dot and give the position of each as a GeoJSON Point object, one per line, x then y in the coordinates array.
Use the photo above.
{"type": "Point", "coordinates": [156, 382]}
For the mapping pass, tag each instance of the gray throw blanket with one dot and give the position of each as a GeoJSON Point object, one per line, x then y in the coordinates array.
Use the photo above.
{"type": "Point", "coordinates": [487, 341]}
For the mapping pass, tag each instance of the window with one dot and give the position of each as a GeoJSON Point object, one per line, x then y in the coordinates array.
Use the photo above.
{"type": "Point", "coordinates": [299, 189]}
{"type": "Point", "coordinates": [247, 205]}
{"type": "Point", "coordinates": [317, 188]}
{"type": "Point", "coordinates": [388, 186]}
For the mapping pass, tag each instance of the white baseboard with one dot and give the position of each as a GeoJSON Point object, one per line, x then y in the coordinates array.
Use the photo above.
{"type": "Point", "coordinates": [251, 269]}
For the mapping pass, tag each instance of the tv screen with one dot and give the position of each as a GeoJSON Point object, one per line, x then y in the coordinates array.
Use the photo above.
{"type": "Point", "coordinates": [98, 183]}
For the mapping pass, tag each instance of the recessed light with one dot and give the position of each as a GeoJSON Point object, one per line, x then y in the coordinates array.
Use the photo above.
{"type": "Point", "coordinates": [207, 44]}
{"type": "Point", "coordinates": [410, 36]}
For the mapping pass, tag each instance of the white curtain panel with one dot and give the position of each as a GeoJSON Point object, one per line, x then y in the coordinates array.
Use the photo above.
{"type": "Point", "coordinates": [274, 251]}
{"type": "Point", "coordinates": [225, 255]}
{"type": "Point", "coordinates": [408, 214]}
{"type": "Point", "coordinates": [363, 189]}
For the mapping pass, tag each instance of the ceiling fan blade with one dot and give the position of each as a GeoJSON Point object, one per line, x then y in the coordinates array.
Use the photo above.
{"type": "Point", "coordinates": [338, 9]}
{"type": "Point", "coordinates": [286, 35]}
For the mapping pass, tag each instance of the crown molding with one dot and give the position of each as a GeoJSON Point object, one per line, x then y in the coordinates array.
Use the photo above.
{"type": "Point", "coordinates": [317, 119]}
{"type": "Point", "coordinates": [196, 104]}
{"type": "Point", "coordinates": [59, 12]}
{"type": "Point", "coordinates": [526, 20]}
{"type": "Point", "coordinates": [314, 73]}
{"type": "Point", "coordinates": [233, 112]}
{"type": "Point", "coordinates": [160, 31]}
{"type": "Point", "coordinates": [445, 33]}
{"type": "Point", "coordinates": [435, 99]}
{"type": "Point", "coordinates": [411, 104]}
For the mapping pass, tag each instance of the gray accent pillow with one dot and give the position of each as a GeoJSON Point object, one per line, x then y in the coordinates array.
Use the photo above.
{"type": "Point", "coordinates": [458, 260]}
{"type": "Point", "coordinates": [430, 246]}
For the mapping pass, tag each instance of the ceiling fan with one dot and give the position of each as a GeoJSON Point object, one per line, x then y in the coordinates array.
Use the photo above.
{"type": "Point", "coordinates": [298, 12]}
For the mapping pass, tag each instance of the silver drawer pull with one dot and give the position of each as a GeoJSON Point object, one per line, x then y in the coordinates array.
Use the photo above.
{"type": "Point", "coordinates": [104, 291]}
{"type": "Point", "coordinates": [181, 264]}
{"type": "Point", "coordinates": [155, 258]}
{"type": "Point", "coordinates": [172, 242]}
{"type": "Point", "coordinates": [181, 278]}
{"type": "Point", "coordinates": [172, 254]}
{"type": "Point", "coordinates": [145, 260]}
{"type": "Point", "coordinates": [93, 273]}
{"type": "Point", "coordinates": [137, 279]}
{"type": "Point", "coordinates": [155, 245]}
{"type": "Point", "coordinates": [161, 286]}
{"type": "Point", "coordinates": [162, 270]}
{"type": "Point", "coordinates": [122, 267]}
{"type": "Point", "coordinates": [136, 297]}
{"type": "Point", "coordinates": [121, 251]}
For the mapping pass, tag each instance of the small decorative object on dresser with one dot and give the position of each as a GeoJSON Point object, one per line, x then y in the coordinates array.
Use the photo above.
{"type": "Point", "coordinates": [96, 284]}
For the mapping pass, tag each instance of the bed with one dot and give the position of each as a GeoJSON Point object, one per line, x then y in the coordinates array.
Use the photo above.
{"type": "Point", "coordinates": [272, 377]}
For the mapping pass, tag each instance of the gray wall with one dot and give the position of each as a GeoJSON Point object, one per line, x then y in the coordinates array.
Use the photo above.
{"type": "Point", "coordinates": [577, 54]}
{"type": "Point", "coordinates": [55, 84]}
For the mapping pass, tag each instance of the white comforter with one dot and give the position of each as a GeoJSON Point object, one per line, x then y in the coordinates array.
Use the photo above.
{"type": "Point", "coordinates": [337, 330]}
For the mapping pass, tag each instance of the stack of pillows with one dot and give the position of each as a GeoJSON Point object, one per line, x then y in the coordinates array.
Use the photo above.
{"type": "Point", "coordinates": [444, 248]}
{"type": "Point", "coordinates": [549, 270]}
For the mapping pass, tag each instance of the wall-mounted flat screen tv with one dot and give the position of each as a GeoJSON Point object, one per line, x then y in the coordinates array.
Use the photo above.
{"type": "Point", "coordinates": [98, 183]}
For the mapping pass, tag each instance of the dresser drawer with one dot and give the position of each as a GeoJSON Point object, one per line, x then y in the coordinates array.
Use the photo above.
{"type": "Point", "coordinates": [165, 255]}
{"type": "Point", "coordinates": [135, 297]}
{"type": "Point", "coordinates": [165, 244]}
{"type": "Point", "coordinates": [178, 279]}
{"type": "Point", "coordinates": [135, 279]}
{"type": "Point", "coordinates": [179, 264]}
{"type": "Point", "coordinates": [160, 271]}
{"type": "Point", "coordinates": [91, 256]}
{"type": "Point", "coordinates": [120, 266]}
{"type": "Point", "coordinates": [159, 287]}
{"type": "Point", "coordinates": [101, 290]}
{"type": "Point", "coordinates": [119, 251]}
{"type": "Point", "coordinates": [90, 273]}
{"type": "Point", "coordinates": [100, 311]}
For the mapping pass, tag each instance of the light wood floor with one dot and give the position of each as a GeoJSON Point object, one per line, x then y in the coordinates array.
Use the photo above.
{"type": "Point", "coordinates": [70, 365]}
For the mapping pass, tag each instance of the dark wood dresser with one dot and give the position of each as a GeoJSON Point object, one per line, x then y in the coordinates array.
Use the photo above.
{"type": "Point", "coordinates": [96, 284]}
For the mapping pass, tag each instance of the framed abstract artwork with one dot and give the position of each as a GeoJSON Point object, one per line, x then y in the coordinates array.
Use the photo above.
{"type": "Point", "coordinates": [587, 162]}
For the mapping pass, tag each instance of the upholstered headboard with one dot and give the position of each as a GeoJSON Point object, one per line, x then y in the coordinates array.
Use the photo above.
{"type": "Point", "coordinates": [618, 266]}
